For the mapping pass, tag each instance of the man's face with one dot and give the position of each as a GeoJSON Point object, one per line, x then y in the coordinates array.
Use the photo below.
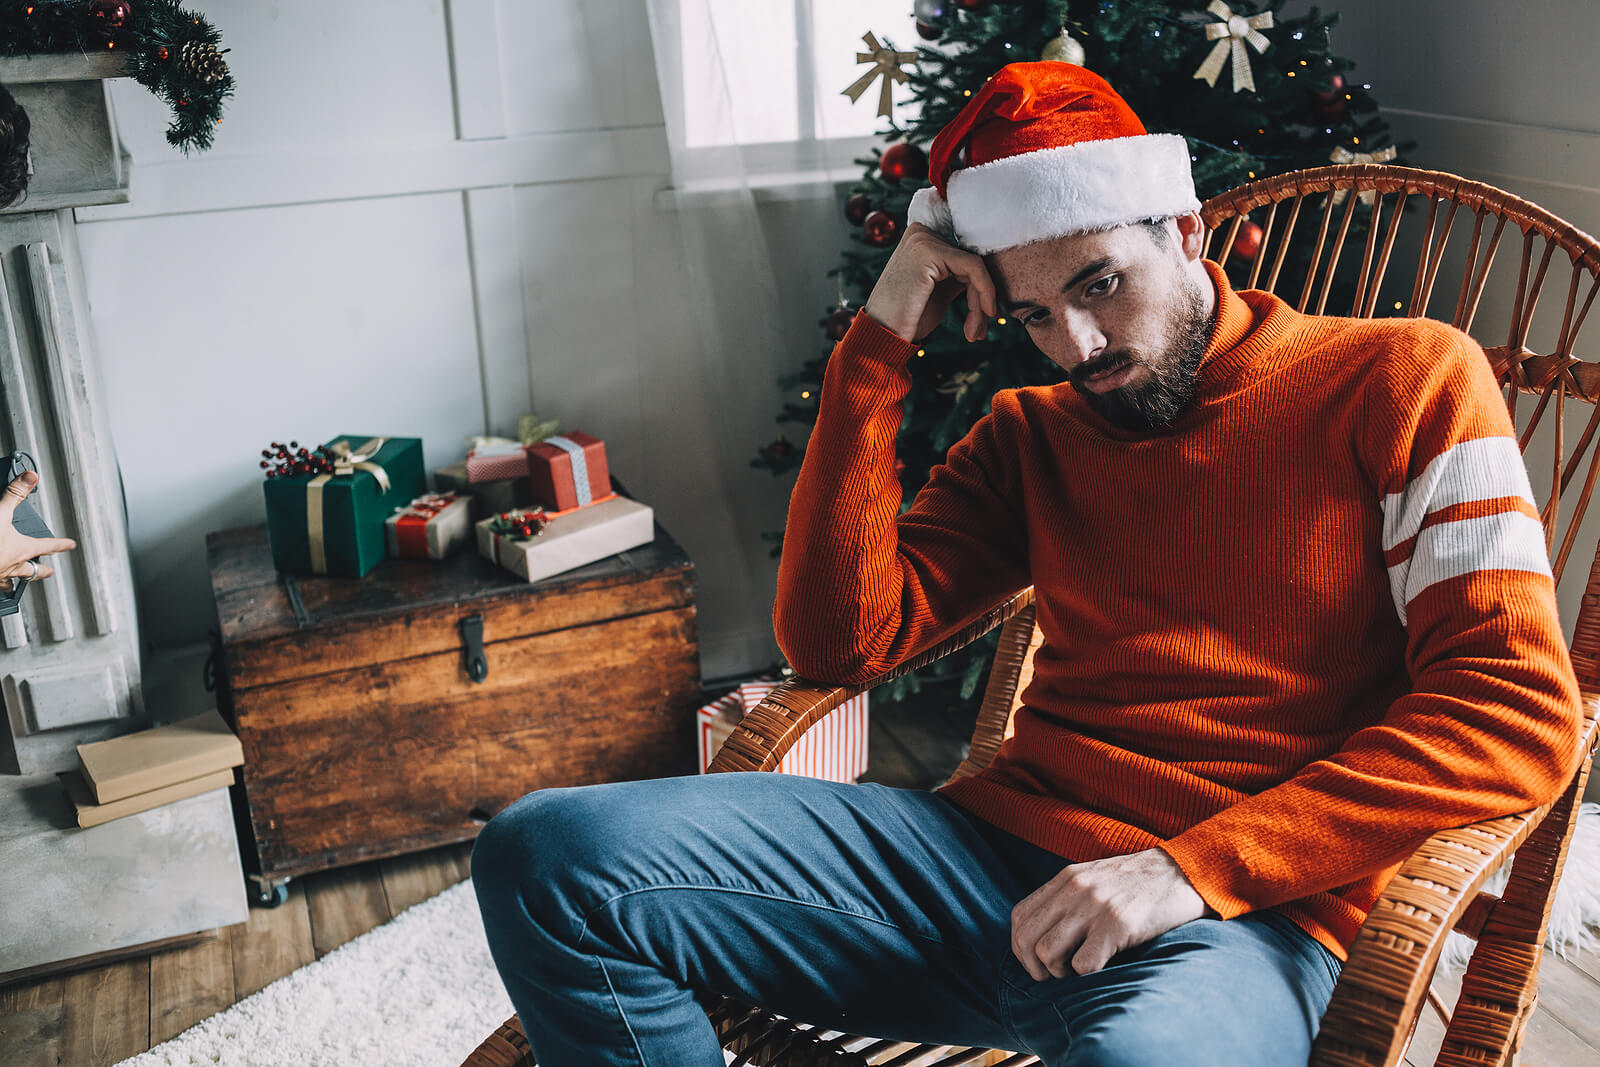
{"type": "Point", "coordinates": [1124, 313]}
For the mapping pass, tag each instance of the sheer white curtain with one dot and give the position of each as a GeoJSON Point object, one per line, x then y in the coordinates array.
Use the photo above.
{"type": "Point", "coordinates": [750, 95]}
{"type": "Point", "coordinates": [737, 341]}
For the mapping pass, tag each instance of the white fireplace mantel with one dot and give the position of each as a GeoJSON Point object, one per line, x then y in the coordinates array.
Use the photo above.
{"type": "Point", "coordinates": [70, 659]}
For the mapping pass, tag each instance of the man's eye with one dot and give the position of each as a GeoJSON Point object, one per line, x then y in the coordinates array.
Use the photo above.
{"type": "Point", "coordinates": [1033, 319]}
{"type": "Point", "coordinates": [1101, 287]}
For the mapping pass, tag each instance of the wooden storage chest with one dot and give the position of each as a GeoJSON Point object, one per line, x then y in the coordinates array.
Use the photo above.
{"type": "Point", "coordinates": [396, 712]}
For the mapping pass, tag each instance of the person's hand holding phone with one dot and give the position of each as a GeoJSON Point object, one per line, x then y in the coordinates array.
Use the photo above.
{"type": "Point", "coordinates": [17, 549]}
{"type": "Point", "coordinates": [923, 276]}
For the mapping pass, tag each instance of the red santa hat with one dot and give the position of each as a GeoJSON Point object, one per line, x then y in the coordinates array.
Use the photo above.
{"type": "Point", "coordinates": [1044, 150]}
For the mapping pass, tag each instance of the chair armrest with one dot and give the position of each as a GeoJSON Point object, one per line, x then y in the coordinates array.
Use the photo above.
{"type": "Point", "coordinates": [770, 729]}
{"type": "Point", "coordinates": [1382, 987]}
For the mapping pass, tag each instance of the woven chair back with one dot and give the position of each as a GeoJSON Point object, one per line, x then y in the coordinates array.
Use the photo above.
{"type": "Point", "coordinates": [1375, 241]}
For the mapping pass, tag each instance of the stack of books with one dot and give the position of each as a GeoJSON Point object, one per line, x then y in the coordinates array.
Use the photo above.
{"type": "Point", "coordinates": [139, 771]}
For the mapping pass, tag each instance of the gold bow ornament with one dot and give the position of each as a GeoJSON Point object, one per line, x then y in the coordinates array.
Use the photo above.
{"type": "Point", "coordinates": [346, 460]}
{"type": "Point", "coordinates": [1343, 157]}
{"type": "Point", "coordinates": [1231, 35]}
{"type": "Point", "coordinates": [885, 64]}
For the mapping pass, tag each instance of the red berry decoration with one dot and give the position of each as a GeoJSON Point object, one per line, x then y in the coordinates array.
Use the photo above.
{"type": "Point", "coordinates": [838, 323]}
{"type": "Point", "coordinates": [881, 228]}
{"type": "Point", "coordinates": [857, 208]}
{"type": "Point", "coordinates": [108, 16]}
{"type": "Point", "coordinates": [1248, 242]}
{"type": "Point", "coordinates": [904, 163]}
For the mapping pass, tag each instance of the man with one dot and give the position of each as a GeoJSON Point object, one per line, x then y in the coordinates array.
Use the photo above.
{"type": "Point", "coordinates": [1297, 616]}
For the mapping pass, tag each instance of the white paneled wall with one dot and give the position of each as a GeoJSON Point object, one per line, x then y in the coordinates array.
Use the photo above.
{"type": "Point", "coordinates": [423, 224]}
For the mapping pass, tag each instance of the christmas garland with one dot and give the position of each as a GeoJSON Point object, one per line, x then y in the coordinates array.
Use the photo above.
{"type": "Point", "coordinates": [171, 51]}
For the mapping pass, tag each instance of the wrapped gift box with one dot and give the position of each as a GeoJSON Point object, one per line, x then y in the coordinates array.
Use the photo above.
{"type": "Point", "coordinates": [496, 460]}
{"type": "Point", "coordinates": [430, 527]}
{"type": "Point", "coordinates": [834, 749]}
{"type": "Point", "coordinates": [568, 470]}
{"type": "Point", "coordinates": [485, 498]}
{"type": "Point", "coordinates": [333, 524]}
{"type": "Point", "coordinates": [570, 539]}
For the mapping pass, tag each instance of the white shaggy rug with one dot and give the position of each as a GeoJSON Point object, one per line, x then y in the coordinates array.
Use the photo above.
{"type": "Point", "coordinates": [422, 991]}
{"type": "Point", "coordinates": [418, 991]}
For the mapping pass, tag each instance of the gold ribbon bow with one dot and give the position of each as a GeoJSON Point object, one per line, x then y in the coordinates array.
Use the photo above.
{"type": "Point", "coordinates": [345, 461]}
{"type": "Point", "coordinates": [1343, 156]}
{"type": "Point", "coordinates": [886, 64]}
{"type": "Point", "coordinates": [1231, 35]}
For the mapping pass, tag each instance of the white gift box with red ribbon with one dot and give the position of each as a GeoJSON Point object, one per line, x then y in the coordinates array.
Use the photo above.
{"type": "Point", "coordinates": [569, 539]}
{"type": "Point", "coordinates": [430, 527]}
{"type": "Point", "coordinates": [834, 749]}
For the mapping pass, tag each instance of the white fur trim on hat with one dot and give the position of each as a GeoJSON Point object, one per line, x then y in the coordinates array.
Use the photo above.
{"type": "Point", "coordinates": [930, 209]}
{"type": "Point", "coordinates": [1052, 192]}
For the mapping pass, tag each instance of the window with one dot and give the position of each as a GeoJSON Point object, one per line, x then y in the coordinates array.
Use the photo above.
{"type": "Point", "coordinates": [787, 63]}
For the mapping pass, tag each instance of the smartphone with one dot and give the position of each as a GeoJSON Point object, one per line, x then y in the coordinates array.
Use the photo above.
{"type": "Point", "coordinates": [27, 521]}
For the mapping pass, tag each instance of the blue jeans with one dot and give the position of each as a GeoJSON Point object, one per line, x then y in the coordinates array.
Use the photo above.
{"type": "Point", "coordinates": [860, 908]}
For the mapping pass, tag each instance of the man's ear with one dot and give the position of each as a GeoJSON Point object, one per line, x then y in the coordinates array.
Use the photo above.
{"type": "Point", "coordinates": [1191, 235]}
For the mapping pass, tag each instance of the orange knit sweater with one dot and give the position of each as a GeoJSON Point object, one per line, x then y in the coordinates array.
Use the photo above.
{"type": "Point", "coordinates": [1285, 640]}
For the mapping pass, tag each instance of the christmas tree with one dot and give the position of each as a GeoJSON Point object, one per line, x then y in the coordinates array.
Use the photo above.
{"type": "Point", "coordinates": [1253, 92]}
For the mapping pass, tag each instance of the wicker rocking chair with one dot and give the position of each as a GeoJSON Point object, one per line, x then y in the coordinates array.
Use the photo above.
{"type": "Point", "coordinates": [1385, 983]}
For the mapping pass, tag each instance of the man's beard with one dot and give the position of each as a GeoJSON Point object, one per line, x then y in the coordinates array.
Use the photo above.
{"type": "Point", "coordinates": [1158, 402]}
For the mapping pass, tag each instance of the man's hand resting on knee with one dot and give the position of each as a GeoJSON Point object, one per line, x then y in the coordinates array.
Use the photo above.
{"type": "Point", "coordinates": [1091, 911]}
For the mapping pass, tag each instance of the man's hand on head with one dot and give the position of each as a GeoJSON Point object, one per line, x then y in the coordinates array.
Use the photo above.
{"type": "Point", "coordinates": [922, 277]}
{"type": "Point", "coordinates": [1078, 920]}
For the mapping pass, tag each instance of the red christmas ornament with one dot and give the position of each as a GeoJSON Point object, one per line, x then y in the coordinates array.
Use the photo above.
{"type": "Point", "coordinates": [1330, 104]}
{"type": "Point", "coordinates": [108, 16]}
{"type": "Point", "coordinates": [899, 466]}
{"type": "Point", "coordinates": [1334, 91]}
{"type": "Point", "coordinates": [839, 321]}
{"type": "Point", "coordinates": [857, 208]}
{"type": "Point", "coordinates": [1248, 242]}
{"type": "Point", "coordinates": [163, 53]}
{"type": "Point", "coordinates": [904, 162]}
{"type": "Point", "coordinates": [927, 32]}
{"type": "Point", "coordinates": [881, 229]}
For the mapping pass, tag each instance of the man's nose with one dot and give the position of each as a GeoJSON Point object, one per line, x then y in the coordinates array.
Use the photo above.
{"type": "Point", "coordinates": [1082, 339]}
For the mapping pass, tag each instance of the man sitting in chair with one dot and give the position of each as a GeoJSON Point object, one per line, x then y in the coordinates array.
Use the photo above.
{"type": "Point", "coordinates": [1297, 615]}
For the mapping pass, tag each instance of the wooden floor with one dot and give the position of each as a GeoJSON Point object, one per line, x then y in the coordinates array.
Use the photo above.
{"type": "Point", "coordinates": [102, 1015]}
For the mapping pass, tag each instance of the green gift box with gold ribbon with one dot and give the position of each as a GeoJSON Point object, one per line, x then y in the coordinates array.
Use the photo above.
{"type": "Point", "coordinates": [333, 523]}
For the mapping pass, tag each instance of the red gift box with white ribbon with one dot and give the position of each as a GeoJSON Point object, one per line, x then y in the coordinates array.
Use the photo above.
{"type": "Point", "coordinates": [430, 527]}
{"type": "Point", "coordinates": [569, 470]}
{"type": "Point", "coordinates": [834, 749]}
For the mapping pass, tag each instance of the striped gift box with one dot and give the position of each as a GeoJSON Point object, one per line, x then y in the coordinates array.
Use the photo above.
{"type": "Point", "coordinates": [834, 749]}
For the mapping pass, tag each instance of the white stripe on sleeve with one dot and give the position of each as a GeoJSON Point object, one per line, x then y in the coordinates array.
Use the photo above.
{"type": "Point", "coordinates": [1485, 468]}
{"type": "Point", "coordinates": [1507, 541]}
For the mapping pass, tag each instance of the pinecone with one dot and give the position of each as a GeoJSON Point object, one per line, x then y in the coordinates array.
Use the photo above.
{"type": "Point", "coordinates": [201, 60]}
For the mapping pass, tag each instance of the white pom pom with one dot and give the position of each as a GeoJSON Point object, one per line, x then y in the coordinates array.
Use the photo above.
{"type": "Point", "coordinates": [931, 209]}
